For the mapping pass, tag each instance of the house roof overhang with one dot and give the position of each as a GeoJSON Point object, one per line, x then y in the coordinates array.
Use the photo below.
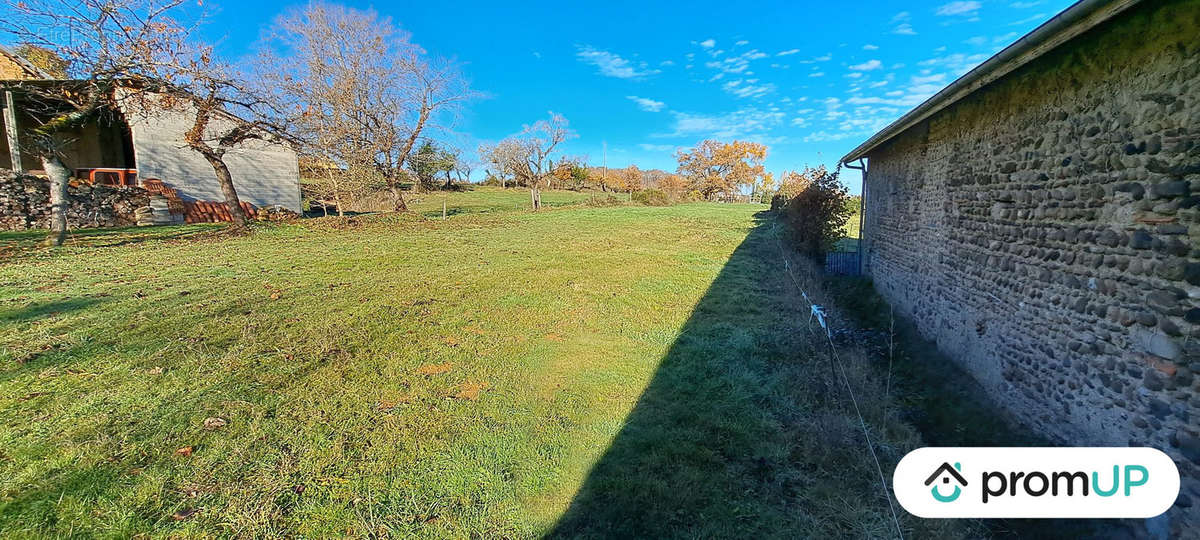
{"type": "Point", "coordinates": [29, 67]}
{"type": "Point", "coordinates": [1073, 21]}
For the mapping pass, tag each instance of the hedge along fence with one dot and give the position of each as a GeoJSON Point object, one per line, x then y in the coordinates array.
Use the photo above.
{"type": "Point", "coordinates": [816, 206]}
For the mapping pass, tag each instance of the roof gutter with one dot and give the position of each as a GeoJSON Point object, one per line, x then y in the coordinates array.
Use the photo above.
{"type": "Point", "coordinates": [1073, 21]}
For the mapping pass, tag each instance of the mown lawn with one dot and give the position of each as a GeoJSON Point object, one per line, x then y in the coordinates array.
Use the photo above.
{"type": "Point", "coordinates": [577, 372]}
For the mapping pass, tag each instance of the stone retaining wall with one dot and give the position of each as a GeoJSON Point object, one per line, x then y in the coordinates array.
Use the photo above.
{"type": "Point", "coordinates": [1045, 231]}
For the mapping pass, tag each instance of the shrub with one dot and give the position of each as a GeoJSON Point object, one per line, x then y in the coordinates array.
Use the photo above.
{"type": "Point", "coordinates": [605, 200]}
{"type": "Point", "coordinates": [651, 197]}
{"type": "Point", "coordinates": [817, 213]}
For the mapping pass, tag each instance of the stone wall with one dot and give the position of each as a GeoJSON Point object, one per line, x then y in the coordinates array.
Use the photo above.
{"type": "Point", "coordinates": [1044, 232]}
{"type": "Point", "coordinates": [25, 204]}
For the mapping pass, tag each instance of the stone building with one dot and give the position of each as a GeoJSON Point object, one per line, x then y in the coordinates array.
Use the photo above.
{"type": "Point", "coordinates": [130, 147]}
{"type": "Point", "coordinates": [1039, 220]}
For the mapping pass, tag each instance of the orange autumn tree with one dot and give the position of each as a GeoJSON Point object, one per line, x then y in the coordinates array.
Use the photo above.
{"type": "Point", "coordinates": [673, 185]}
{"type": "Point", "coordinates": [714, 168]}
{"type": "Point", "coordinates": [629, 179]}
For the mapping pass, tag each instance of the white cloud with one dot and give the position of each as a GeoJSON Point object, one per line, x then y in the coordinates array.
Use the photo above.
{"type": "Point", "coordinates": [537, 55]}
{"type": "Point", "coordinates": [658, 147]}
{"type": "Point", "coordinates": [902, 16]}
{"type": "Point", "coordinates": [748, 88]}
{"type": "Point", "coordinates": [1023, 5]}
{"type": "Point", "coordinates": [647, 104]}
{"type": "Point", "coordinates": [867, 66]}
{"type": "Point", "coordinates": [869, 47]}
{"type": "Point", "coordinates": [1031, 19]}
{"type": "Point", "coordinates": [963, 8]}
{"type": "Point", "coordinates": [742, 42]}
{"type": "Point", "coordinates": [736, 64]}
{"type": "Point", "coordinates": [854, 75]}
{"type": "Point", "coordinates": [787, 52]}
{"type": "Point", "coordinates": [816, 74]}
{"type": "Point", "coordinates": [957, 63]}
{"type": "Point", "coordinates": [827, 57]}
{"type": "Point", "coordinates": [1006, 38]}
{"type": "Point", "coordinates": [708, 43]}
{"type": "Point", "coordinates": [904, 29]}
{"type": "Point", "coordinates": [749, 123]}
{"type": "Point", "coordinates": [667, 63]}
{"type": "Point", "coordinates": [901, 101]}
{"type": "Point", "coordinates": [612, 65]}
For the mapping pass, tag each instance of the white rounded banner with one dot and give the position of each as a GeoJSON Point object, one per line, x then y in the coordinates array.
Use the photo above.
{"type": "Point", "coordinates": [1036, 482]}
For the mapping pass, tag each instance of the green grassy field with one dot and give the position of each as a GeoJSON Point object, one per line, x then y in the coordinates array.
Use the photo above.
{"type": "Point", "coordinates": [485, 199]}
{"type": "Point", "coordinates": [576, 372]}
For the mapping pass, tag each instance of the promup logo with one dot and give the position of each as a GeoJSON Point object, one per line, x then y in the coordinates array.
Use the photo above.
{"type": "Point", "coordinates": [946, 473]}
{"type": "Point", "coordinates": [1036, 482]}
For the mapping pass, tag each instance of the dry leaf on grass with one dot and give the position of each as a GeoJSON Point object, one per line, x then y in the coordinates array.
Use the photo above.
{"type": "Point", "coordinates": [451, 341]}
{"type": "Point", "coordinates": [185, 451]}
{"type": "Point", "coordinates": [387, 405]}
{"type": "Point", "coordinates": [554, 337]}
{"type": "Point", "coordinates": [434, 369]}
{"type": "Point", "coordinates": [470, 390]}
{"type": "Point", "coordinates": [213, 422]}
{"type": "Point", "coordinates": [155, 370]}
{"type": "Point", "coordinates": [183, 514]}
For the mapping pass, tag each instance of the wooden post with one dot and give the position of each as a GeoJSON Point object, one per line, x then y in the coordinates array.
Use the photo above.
{"type": "Point", "coordinates": [443, 209]}
{"type": "Point", "coordinates": [10, 128]}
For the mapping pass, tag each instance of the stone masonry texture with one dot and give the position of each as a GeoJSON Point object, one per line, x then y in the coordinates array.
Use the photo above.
{"type": "Point", "coordinates": [1044, 232]}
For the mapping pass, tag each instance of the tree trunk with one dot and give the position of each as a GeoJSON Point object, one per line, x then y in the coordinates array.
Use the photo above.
{"type": "Point", "coordinates": [236, 214]}
{"type": "Point", "coordinates": [449, 183]}
{"type": "Point", "coordinates": [398, 200]}
{"type": "Point", "coordinates": [59, 177]}
{"type": "Point", "coordinates": [535, 197]}
{"type": "Point", "coordinates": [337, 193]}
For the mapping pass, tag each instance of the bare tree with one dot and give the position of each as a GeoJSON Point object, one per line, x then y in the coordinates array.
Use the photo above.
{"type": "Point", "coordinates": [112, 50]}
{"type": "Point", "coordinates": [502, 158]}
{"type": "Point", "coordinates": [326, 181]}
{"type": "Point", "coordinates": [366, 93]}
{"type": "Point", "coordinates": [226, 113]}
{"type": "Point", "coordinates": [463, 165]}
{"type": "Point", "coordinates": [528, 155]}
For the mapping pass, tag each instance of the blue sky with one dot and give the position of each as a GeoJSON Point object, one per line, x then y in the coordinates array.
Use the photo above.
{"type": "Point", "coordinates": [809, 79]}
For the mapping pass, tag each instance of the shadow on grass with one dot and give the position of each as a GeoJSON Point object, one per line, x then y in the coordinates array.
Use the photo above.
{"type": "Point", "coordinates": [690, 459]}
{"type": "Point", "coordinates": [45, 309]}
{"type": "Point", "coordinates": [15, 244]}
{"type": "Point", "coordinates": [741, 432]}
{"type": "Point", "coordinates": [950, 408]}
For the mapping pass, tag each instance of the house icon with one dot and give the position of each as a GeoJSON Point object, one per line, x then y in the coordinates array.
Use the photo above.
{"type": "Point", "coordinates": [946, 473]}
